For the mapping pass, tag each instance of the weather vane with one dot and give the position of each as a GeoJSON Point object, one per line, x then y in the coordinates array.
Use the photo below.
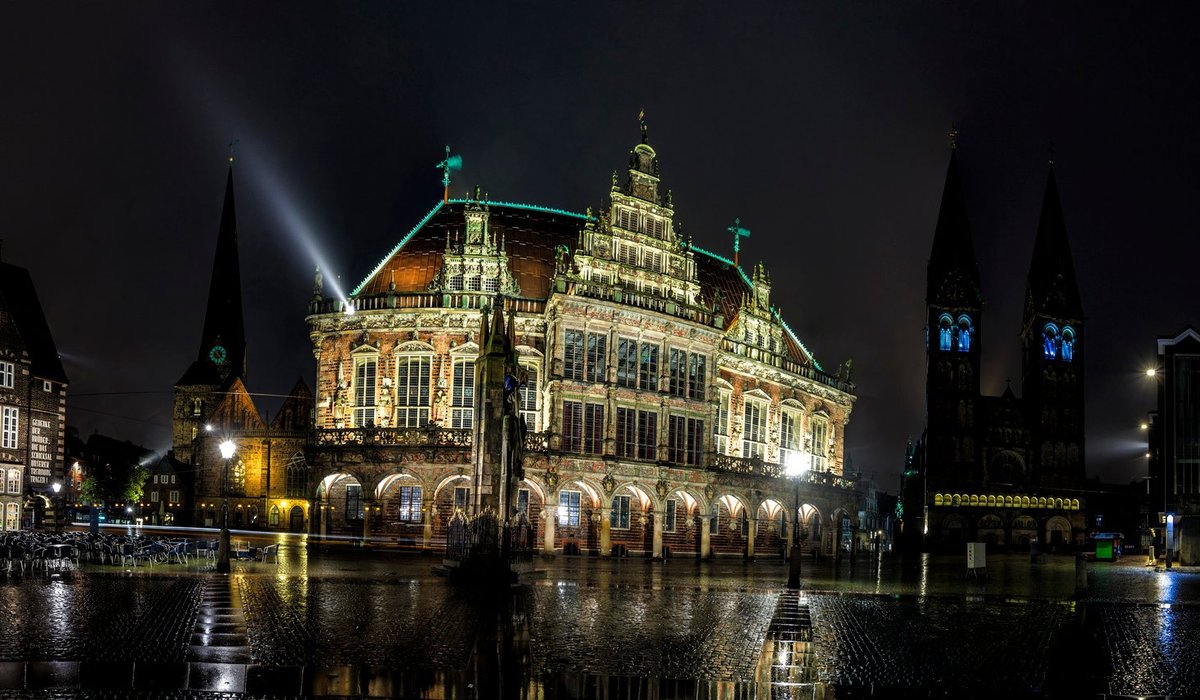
{"type": "Point", "coordinates": [450, 163]}
{"type": "Point", "coordinates": [231, 145]}
{"type": "Point", "coordinates": [953, 134]}
{"type": "Point", "coordinates": [738, 234]}
{"type": "Point", "coordinates": [642, 122]}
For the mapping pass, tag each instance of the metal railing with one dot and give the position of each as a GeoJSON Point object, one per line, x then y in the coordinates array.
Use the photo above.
{"type": "Point", "coordinates": [757, 467]}
{"type": "Point", "coordinates": [642, 300]}
{"type": "Point", "coordinates": [785, 363]}
{"type": "Point", "coordinates": [390, 301]}
{"type": "Point", "coordinates": [388, 437]}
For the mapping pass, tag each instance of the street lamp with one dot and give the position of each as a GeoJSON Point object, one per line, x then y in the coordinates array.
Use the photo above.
{"type": "Point", "coordinates": [56, 487]}
{"type": "Point", "coordinates": [795, 470]}
{"type": "Point", "coordinates": [227, 449]}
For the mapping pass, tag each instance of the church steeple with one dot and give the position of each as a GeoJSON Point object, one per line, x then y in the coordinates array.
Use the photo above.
{"type": "Point", "coordinates": [953, 273]}
{"type": "Point", "coordinates": [1052, 288]}
{"type": "Point", "coordinates": [222, 350]}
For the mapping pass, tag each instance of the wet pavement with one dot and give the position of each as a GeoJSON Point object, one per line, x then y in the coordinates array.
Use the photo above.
{"type": "Point", "coordinates": [347, 623]}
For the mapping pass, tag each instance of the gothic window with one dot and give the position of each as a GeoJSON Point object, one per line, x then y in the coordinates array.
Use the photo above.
{"type": "Point", "coordinates": [627, 363]}
{"type": "Point", "coordinates": [619, 518]}
{"type": "Point", "coordinates": [409, 506]}
{"type": "Point", "coordinates": [568, 508]}
{"type": "Point", "coordinates": [462, 411]}
{"type": "Point", "coordinates": [965, 331]}
{"type": "Point", "coordinates": [1068, 344]}
{"type": "Point", "coordinates": [818, 433]}
{"type": "Point", "coordinates": [945, 333]}
{"type": "Point", "coordinates": [364, 392]}
{"type": "Point", "coordinates": [648, 367]}
{"type": "Point", "coordinates": [412, 391]}
{"type": "Point", "coordinates": [237, 478]}
{"type": "Point", "coordinates": [754, 429]}
{"type": "Point", "coordinates": [1050, 341]}
{"type": "Point", "coordinates": [789, 435]}
{"type": "Point", "coordinates": [354, 502]}
{"type": "Point", "coordinates": [296, 481]}
{"type": "Point", "coordinates": [528, 394]}
{"type": "Point", "coordinates": [722, 431]}
{"type": "Point", "coordinates": [273, 516]}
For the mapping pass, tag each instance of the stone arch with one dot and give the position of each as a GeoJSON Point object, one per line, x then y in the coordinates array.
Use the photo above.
{"type": "Point", "coordinates": [446, 481]}
{"type": "Point", "coordinates": [339, 509]}
{"type": "Point", "coordinates": [1058, 531]}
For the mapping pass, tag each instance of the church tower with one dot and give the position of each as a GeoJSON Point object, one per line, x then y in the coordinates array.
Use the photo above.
{"type": "Point", "coordinates": [1053, 351]}
{"type": "Point", "coordinates": [953, 303]}
{"type": "Point", "coordinates": [222, 355]}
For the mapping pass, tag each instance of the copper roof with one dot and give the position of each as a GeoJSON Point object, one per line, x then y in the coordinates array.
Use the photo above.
{"type": "Point", "coordinates": [530, 237]}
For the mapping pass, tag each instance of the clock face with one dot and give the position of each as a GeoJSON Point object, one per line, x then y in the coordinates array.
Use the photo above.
{"type": "Point", "coordinates": [217, 354]}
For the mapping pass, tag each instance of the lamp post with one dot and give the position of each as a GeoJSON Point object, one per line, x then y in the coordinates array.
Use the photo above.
{"type": "Point", "coordinates": [795, 470]}
{"type": "Point", "coordinates": [56, 487]}
{"type": "Point", "coordinates": [227, 449]}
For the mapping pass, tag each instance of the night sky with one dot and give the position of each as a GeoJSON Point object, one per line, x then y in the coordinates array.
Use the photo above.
{"type": "Point", "coordinates": [822, 127]}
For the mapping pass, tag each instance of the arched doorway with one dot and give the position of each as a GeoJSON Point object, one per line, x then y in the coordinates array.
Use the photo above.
{"type": "Point", "coordinates": [296, 520]}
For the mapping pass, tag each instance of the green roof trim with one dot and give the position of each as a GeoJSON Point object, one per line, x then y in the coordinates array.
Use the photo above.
{"type": "Point", "coordinates": [774, 311]}
{"type": "Point", "coordinates": [529, 207]}
{"type": "Point", "coordinates": [399, 245]}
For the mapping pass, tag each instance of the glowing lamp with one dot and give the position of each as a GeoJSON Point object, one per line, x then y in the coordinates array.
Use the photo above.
{"type": "Point", "coordinates": [227, 449]}
{"type": "Point", "coordinates": [56, 487]}
{"type": "Point", "coordinates": [795, 467]}
{"type": "Point", "coordinates": [1151, 372]}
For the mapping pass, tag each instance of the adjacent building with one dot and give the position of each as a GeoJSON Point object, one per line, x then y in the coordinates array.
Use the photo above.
{"type": "Point", "coordinates": [1174, 446]}
{"type": "Point", "coordinates": [33, 398]}
{"type": "Point", "coordinates": [999, 469]}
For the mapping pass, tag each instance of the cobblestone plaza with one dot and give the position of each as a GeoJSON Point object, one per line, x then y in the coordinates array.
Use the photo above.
{"type": "Point", "coordinates": [352, 623]}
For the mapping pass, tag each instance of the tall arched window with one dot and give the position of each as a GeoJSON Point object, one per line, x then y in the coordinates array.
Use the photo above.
{"type": "Point", "coordinates": [964, 333]}
{"type": "Point", "coordinates": [462, 411]}
{"type": "Point", "coordinates": [237, 478]}
{"type": "Point", "coordinates": [1050, 341]}
{"type": "Point", "coordinates": [945, 333]}
{"type": "Point", "coordinates": [1068, 343]}
{"type": "Point", "coordinates": [296, 478]}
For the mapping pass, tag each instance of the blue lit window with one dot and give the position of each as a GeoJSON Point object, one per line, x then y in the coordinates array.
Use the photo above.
{"type": "Point", "coordinates": [945, 333]}
{"type": "Point", "coordinates": [964, 333]}
{"type": "Point", "coordinates": [1050, 341]}
{"type": "Point", "coordinates": [1068, 344]}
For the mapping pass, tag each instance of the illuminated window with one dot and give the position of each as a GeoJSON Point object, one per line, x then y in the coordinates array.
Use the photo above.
{"type": "Point", "coordinates": [965, 331]}
{"type": "Point", "coordinates": [14, 481]}
{"type": "Point", "coordinates": [409, 506]}
{"type": "Point", "coordinates": [273, 516]}
{"type": "Point", "coordinates": [412, 391]}
{"type": "Point", "coordinates": [568, 508]}
{"type": "Point", "coordinates": [9, 430]}
{"type": "Point", "coordinates": [364, 392]}
{"type": "Point", "coordinates": [154, 496]}
{"type": "Point", "coordinates": [354, 502]}
{"type": "Point", "coordinates": [1068, 344]}
{"type": "Point", "coordinates": [818, 434]}
{"type": "Point", "coordinates": [722, 431]}
{"type": "Point", "coordinates": [462, 411]}
{"type": "Point", "coordinates": [619, 518]}
{"type": "Point", "coordinates": [296, 477]}
{"type": "Point", "coordinates": [1050, 341]}
{"type": "Point", "coordinates": [789, 435]}
{"type": "Point", "coordinates": [754, 429]}
{"type": "Point", "coordinates": [12, 517]}
{"type": "Point", "coordinates": [528, 398]}
{"type": "Point", "coordinates": [237, 478]}
{"type": "Point", "coordinates": [945, 333]}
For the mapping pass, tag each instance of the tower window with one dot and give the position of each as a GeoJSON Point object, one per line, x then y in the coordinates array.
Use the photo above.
{"type": "Point", "coordinates": [964, 333]}
{"type": "Point", "coordinates": [462, 400]}
{"type": "Point", "coordinates": [1068, 344]}
{"type": "Point", "coordinates": [364, 393]}
{"type": "Point", "coordinates": [945, 333]}
{"type": "Point", "coordinates": [1050, 341]}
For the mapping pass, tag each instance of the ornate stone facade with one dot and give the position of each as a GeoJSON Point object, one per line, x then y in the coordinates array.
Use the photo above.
{"type": "Point", "coordinates": [662, 392]}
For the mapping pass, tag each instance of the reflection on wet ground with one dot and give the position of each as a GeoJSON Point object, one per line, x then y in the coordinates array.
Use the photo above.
{"type": "Point", "coordinates": [350, 623]}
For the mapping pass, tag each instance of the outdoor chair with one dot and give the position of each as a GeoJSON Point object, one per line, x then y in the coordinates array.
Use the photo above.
{"type": "Point", "coordinates": [271, 552]}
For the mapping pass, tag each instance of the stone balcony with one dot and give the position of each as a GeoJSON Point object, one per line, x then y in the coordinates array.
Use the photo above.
{"type": "Point", "coordinates": [757, 467]}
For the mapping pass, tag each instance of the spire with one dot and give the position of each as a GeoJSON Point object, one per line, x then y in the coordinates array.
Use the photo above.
{"type": "Point", "coordinates": [953, 274]}
{"type": "Point", "coordinates": [1052, 287]}
{"type": "Point", "coordinates": [223, 341]}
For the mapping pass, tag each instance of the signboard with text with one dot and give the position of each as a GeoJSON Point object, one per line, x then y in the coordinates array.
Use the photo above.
{"type": "Point", "coordinates": [43, 449]}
